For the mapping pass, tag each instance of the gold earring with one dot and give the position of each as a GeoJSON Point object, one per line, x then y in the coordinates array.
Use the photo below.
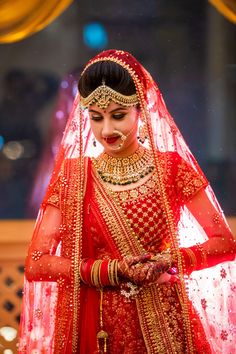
{"type": "Point", "coordinates": [142, 133]}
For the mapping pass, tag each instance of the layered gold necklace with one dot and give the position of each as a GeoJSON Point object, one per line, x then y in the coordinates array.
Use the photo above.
{"type": "Point", "coordinates": [124, 170]}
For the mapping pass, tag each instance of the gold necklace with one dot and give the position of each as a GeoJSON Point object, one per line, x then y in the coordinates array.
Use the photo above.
{"type": "Point", "coordinates": [124, 170]}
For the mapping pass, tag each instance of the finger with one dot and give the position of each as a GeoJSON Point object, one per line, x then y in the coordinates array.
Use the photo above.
{"type": "Point", "coordinates": [145, 257]}
{"type": "Point", "coordinates": [164, 278]}
{"type": "Point", "coordinates": [152, 274]}
{"type": "Point", "coordinates": [137, 259]}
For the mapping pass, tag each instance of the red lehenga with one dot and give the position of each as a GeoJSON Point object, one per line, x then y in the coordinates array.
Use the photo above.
{"type": "Point", "coordinates": [195, 314]}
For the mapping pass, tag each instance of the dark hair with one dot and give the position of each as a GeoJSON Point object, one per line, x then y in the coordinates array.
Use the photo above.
{"type": "Point", "coordinates": [113, 74]}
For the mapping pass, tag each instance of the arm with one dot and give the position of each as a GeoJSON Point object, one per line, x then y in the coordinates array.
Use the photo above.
{"type": "Point", "coordinates": [220, 246]}
{"type": "Point", "coordinates": [41, 264]}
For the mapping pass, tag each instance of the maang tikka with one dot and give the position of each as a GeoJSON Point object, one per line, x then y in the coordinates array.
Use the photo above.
{"type": "Point", "coordinates": [103, 95]}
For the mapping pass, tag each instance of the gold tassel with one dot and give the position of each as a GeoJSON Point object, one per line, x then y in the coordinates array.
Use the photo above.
{"type": "Point", "coordinates": [101, 335]}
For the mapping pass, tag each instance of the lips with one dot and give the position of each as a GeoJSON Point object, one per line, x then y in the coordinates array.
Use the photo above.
{"type": "Point", "coordinates": [111, 140]}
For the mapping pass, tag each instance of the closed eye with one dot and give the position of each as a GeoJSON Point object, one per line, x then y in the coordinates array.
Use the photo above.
{"type": "Point", "coordinates": [96, 118]}
{"type": "Point", "coordinates": [118, 115]}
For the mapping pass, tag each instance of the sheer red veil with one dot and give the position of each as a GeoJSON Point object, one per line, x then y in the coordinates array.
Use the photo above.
{"type": "Point", "coordinates": [211, 290]}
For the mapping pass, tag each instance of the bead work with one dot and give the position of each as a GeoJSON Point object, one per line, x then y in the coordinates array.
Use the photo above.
{"type": "Point", "coordinates": [124, 170]}
{"type": "Point", "coordinates": [103, 95]}
{"type": "Point", "coordinates": [36, 255]}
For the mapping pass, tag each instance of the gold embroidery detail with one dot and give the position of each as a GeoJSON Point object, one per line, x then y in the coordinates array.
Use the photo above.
{"type": "Point", "coordinates": [188, 181]}
{"type": "Point", "coordinates": [140, 191]}
{"type": "Point", "coordinates": [54, 199]}
{"type": "Point", "coordinates": [216, 218]}
{"type": "Point", "coordinates": [156, 337]}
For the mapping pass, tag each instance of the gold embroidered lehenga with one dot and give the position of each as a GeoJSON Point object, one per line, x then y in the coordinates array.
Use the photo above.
{"type": "Point", "coordinates": [174, 208]}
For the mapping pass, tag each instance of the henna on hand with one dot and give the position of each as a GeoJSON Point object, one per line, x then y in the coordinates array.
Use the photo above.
{"type": "Point", "coordinates": [145, 269]}
{"type": "Point", "coordinates": [125, 269]}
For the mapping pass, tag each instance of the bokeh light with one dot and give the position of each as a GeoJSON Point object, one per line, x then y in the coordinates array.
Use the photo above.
{"type": "Point", "coordinates": [95, 35]}
{"type": "Point", "coordinates": [13, 150]}
{"type": "Point", "coordinates": [23, 149]}
{"type": "Point", "coordinates": [8, 333]}
{"type": "Point", "coordinates": [1, 142]}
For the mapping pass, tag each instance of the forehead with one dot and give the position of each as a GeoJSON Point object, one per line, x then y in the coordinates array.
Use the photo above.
{"type": "Point", "coordinates": [111, 107]}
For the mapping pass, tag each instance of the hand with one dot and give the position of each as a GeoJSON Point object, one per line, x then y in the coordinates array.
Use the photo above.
{"type": "Point", "coordinates": [146, 269]}
{"type": "Point", "coordinates": [148, 274]}
{"type": "Point", "coordinates": [145, 274]}
{"type": "Point", "coordinates": [124, 266]}
{"type": "Point", "coordinates": [138, 269]}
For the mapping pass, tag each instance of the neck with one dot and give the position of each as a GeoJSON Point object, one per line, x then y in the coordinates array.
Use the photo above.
{"type": "Point", "coordinates": [122, 170]}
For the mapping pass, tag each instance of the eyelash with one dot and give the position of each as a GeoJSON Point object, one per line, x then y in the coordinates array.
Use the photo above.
{"type": "Point", "coordinates": [96, 118]}
{"type": "Point", "coordinates": [115, 116]}
{"type": "Point", "coordinates": [118, 116]}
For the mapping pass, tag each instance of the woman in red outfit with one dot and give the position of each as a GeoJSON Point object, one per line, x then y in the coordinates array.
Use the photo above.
{"type": "Point", "coordinates": [131, 251]}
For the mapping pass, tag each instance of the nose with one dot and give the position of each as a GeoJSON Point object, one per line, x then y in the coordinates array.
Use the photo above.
{"type": "Point", "coordinates": [107, 129]}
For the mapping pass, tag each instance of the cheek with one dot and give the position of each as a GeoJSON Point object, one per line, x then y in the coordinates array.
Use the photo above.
{"type": "Point", "coordinates": [132, 124]}
{"type": "Point", "coordinates": [129, 124]}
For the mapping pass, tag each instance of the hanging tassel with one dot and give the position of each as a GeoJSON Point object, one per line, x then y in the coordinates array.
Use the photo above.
{"type": "Point", "coordinates": [102, 336]}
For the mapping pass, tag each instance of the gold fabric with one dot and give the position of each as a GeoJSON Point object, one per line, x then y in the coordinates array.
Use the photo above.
{"type": "Point", "coordinates": [20, 19]}
{"type": "Point", "coordinates": [227, 8]}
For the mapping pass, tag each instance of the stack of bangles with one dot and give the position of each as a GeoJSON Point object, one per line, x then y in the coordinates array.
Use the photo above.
{"type": "Point", "coordinates": [99, 272]}
{"type": "Point", "coordinates": [194, 258]}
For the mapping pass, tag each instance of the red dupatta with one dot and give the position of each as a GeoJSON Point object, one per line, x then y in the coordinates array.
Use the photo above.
{"type": "Point", "coordinates": [65, 311]}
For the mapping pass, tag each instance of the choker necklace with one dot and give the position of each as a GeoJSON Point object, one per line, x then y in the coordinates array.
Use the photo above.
{"type": "Point", "coordinates": [124, 170]}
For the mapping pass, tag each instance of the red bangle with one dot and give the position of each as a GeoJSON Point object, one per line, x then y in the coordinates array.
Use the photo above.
{"type": "Point", "coordinates": [194, 258]}
{"type": "Point", "coordinates": [200, 257]}
{"type": "Point", "coordinates": [104, 278]}
{"type": "Point", "coordinates": [190, 261]}
{"type": "Point", "coordinates": [85, 270]}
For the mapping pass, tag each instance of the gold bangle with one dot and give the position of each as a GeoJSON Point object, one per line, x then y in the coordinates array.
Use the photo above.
{"type": "Point", "coordinates": [91, 274]}
{"type": "Point", "coordinates": [192, 257]}
{"type": "Point", "coordinates": [98, 279]}
{"type": "Point", "coordinates": [115, 275]}
{"type": "Point", "coordinates": [95, 273]}
{"type": "Point", "coordinates": [111, 272]}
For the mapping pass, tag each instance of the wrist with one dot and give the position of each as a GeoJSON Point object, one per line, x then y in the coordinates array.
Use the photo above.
{"type": "Point", "coordinates": [99, 273]}
{"type": "Point", "coordinates": [194, 258]}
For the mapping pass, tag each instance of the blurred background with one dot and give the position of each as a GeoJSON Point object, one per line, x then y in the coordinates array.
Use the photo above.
{"type": "Point", "coordinates": [189, 47]}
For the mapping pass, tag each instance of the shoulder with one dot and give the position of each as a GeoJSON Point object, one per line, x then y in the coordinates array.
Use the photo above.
{"type": "Point", "coordinates": [77, 162]}
{"type": "Point", "coordinates": [169, 160]}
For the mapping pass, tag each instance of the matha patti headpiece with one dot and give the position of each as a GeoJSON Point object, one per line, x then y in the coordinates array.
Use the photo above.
{"type": "Point", "coordinates": [103, 95]}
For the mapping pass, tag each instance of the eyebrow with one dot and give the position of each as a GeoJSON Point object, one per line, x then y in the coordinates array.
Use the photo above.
{"type": "Point", "coordinates": [114, 110]}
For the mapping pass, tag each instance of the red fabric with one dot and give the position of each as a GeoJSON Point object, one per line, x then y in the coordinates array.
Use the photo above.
{"type": "Point", "coordinates": [124, 331]}
{"type": "Point", "coordinates": [63, 319]}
